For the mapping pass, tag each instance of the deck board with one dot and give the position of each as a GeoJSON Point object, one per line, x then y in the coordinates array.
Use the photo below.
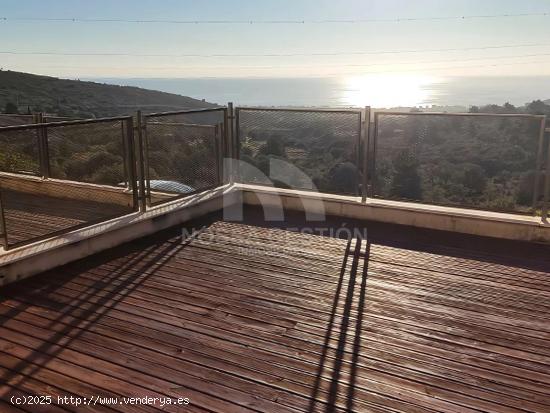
{"type": "Point", "coordinates": [30, 217]}
{"type": "Point", "coordinates": [247, 318]}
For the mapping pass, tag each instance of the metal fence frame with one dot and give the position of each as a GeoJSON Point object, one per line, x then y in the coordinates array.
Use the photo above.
{"type": "Point", "coordinates": [220, 134]}
{"type": "Point", "coordinates": [135, 150]}
{"type": "Point", "coordinates": [358, 144]}
{"type": "Point", "coordinates": [3, 230]}
{"type": "Point", "coordinates": [373, 134]}
{"type": "Point", "coordinates": [129, 161]}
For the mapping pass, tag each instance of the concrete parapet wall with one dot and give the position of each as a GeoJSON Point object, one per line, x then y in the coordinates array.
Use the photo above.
{"type": "Point", "coordinates": [31, 259]}
{"type": "Point", "coordinates": [466, 221]}
{"type": "Point", "coordinates": [28, 260]}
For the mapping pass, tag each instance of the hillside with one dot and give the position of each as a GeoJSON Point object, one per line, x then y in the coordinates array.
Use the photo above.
{"type": "Point", "coordinates": [77, 98]}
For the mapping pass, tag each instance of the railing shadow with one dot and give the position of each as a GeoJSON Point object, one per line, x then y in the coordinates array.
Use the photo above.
{"type": "Point", "coordinates": [342, 391]}
{"type": "Point", "coordinates": [35, 292]}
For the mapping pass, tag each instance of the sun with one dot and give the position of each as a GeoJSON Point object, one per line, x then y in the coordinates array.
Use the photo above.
{"type": "Point", "coordinates": [387, 91]}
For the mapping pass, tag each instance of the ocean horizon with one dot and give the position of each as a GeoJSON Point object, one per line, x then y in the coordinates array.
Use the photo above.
{"type": "Point", "coordinates": [357, 91]}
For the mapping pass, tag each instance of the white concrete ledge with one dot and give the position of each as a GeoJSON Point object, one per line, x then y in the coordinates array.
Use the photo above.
{"type": "Point", "coordinates": [466, 221]}
{"type": "Point", "coordinates": [60, 188]}
{"type": "Point", "coordinates": [73, 190]}
{"type": "Point", "coordinates": [31, 259]}
{"type": "Point", "coordinates": [22, 262]}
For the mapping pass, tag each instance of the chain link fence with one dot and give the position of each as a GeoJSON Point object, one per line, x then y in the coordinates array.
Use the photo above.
{"type": "Point", "coordinates": [484, 161]}
{"type": "Point", "coordinates": [15, 119]}
{"type": "Point", "coordinates": [19, 151]}
{"type": "Point", "coordinates": [183, 152]}
{"type": "Point", "coordinates": [300, 149]}
{"type": "Point", "coordinates": [23, 119]}
{"type": "Point", "coordinates": [90, 171]}
{"type": "Point", "coordinates": [57, 176]}
{"type": "Point", "coordinates": [91, 152]}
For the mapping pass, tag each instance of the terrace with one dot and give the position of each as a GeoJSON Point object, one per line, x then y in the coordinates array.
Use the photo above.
{"type": "Point", "coordinates": [246, 297]}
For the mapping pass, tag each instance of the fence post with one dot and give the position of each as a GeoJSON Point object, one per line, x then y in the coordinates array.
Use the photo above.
{"type": "Point", "coordinates": [141, 163]}
{"type": "Point", "coordinates": [373, 137]}
{"type": "Point", "coordinates": [3, 227]}
{"type": "Point", "coordinates": [218, 139]}
{"type": "Point", "coordinates": [546, 196]}
{"type": "Point", "coordinates": [43, 152]}
{"type": "Point", "coordinates": [125, 160]}
{"type": "Point", "coordinates": [231, 141]}
{"type": "Point", "coordinates": [130, 159]}
{"type": "Point", "coordinates": [225, 145]}
{"type": "Point", "coordinates": [365, 128]}
{"type": "Point", "coordinates": [538, 166]}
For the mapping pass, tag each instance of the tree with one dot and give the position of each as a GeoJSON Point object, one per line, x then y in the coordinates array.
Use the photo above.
{"type": "Point", "coordinates": [11, 108]}
{"type": "Point", "coordinates": [473, 178]}
{"type": "Point", "coordinates": [406, 182]}
{"type": "Point", "coordinates": [273, 146]}
{"type": "Point", "coordinates": [538, 107]}
{"type": "Point", "coordinates": [344, 178]}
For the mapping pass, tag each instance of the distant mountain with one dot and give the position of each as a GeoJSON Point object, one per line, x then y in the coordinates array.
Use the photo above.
{"type": "Point", "coordinates": [77, 98]}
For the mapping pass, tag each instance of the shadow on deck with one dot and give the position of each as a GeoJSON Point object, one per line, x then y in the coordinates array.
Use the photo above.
{"type": "Point", "coordinates": [246, 317]}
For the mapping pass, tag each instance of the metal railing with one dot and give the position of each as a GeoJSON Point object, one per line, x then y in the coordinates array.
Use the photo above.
{"type": "Point", "coordinates": [3, 231]}
{"type": "Point", "coordinates": [58, 176]}
{"type": "Point", "coordinates": [86, 171]}
{"type": "Point", "coordinates": [308, 149]}
{"type": "Point", "coordinates": [25, 119]}
{"type": "Point", "coordinates": [183, 152]}
{"type": "Point", "coordinates": [476, 160]}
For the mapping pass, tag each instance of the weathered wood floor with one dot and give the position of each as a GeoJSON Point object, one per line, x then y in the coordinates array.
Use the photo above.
{"type": "Point", "coordinates": [30, 217]}
{"type": "Point", "coordinates": [250, 319]}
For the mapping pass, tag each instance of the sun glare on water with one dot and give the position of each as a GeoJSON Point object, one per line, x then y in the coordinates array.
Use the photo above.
{"type": "Point", "coordinates": [387, 91]}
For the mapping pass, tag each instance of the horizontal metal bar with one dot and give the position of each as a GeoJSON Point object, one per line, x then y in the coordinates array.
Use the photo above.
{"type": "Point", "coordinates": [63, 123]}
{"type": "Point", "coordinates": [183, 112]}
{"type": "Point", "coordinates": [499, 115]}
{"type": "Point", "coordinates": [298, 109]}
{"type": "Point", "coordinates": [189, 125]}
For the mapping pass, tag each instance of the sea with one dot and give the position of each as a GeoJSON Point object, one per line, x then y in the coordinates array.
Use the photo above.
{"type": "Point", "coordinates": [380, 91]}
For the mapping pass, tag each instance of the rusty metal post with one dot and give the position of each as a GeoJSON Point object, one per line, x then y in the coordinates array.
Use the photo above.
{"type": "Point", "coordinates": [130, 156]}
{"type": "Point", "coordinates": [43, 152]}
{"type": "Point", "coordinates": [141, 163]}
{"type": "Point", "coordinates": [365, 131]}
{"type": "Point", "coordinates": [125, 160]}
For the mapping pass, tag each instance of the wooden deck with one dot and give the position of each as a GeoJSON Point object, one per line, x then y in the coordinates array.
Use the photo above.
{"type": "Point", "coordinates": [247, 318]}
{"type": "Point", "coordinates": [29, 217]}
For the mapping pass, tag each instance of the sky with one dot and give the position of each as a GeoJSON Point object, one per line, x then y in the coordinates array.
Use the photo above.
{"type": "Point", "coordinates": [320, 47]}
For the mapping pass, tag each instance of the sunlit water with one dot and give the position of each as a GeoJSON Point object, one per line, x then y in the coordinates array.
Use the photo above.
{"type": "Point", "coordinates": [384, 91]}
{"type": "Point", "coordinates": [379, 91]}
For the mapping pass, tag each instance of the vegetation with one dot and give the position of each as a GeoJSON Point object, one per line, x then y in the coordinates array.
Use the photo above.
{"type": "Point", "coordinates": [11, 108]}
{"type": "Point", "coordinates": [485, 162]}
{"type": "Point", "coordinates": [24, 92]}
{"type": "Point", "coordinates": [321, 145]}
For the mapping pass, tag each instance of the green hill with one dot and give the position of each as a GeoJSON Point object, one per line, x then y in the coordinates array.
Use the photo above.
{"type": "Point", "coordinates": [75, 98]}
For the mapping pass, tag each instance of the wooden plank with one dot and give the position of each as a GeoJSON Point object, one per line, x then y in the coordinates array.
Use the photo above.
{"type": "Point", "coordinates": [31, 216]}
{"type": "Point", "coordinates": [268, 320]}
